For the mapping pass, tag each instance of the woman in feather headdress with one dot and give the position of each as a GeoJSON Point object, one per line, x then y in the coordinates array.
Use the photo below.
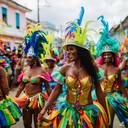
{"type": "Point", "coordinates": [33, 99]}
{"type": "Point", "coordinates": [51, 62]}
{"type": "Point", "coordinates": [78, 110]}
{"type": "Point", "coordinates": [110, 75]}
{"type": "Point", "coordinates": [124, 53]}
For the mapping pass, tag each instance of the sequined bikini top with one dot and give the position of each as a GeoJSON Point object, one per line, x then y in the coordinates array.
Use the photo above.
{"type": "Point", "coordinates": [33, 79]}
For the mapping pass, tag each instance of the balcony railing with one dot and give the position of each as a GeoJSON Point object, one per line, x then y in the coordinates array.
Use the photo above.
{"type": "Point", "coordinates": [5, 30]}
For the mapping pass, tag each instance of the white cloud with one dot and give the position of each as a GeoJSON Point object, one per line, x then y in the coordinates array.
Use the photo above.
{"type": "Point", "coordinates": [65, 10]}
{"type": "Point", "coordinates": [62, 11]}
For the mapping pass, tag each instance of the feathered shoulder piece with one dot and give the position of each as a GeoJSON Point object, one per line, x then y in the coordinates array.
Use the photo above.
{"type": "Point", "coordinates": [106, 43]}
{"type": "Point", "coordinates": [76, 35]}
{"type": "Point", "coordinates": [34, 41]}
{"type": "Point", "coordinates": [3, 46]}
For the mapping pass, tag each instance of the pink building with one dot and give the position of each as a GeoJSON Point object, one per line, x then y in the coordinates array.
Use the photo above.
{"type": "Point", "coordinates": [12, 22]}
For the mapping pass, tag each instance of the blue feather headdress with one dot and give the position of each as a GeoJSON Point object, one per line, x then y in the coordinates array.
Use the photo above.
{"type": "Point", "coordinates": [106, 43]}
{"type": "Point", "coordinates": [34, 41]}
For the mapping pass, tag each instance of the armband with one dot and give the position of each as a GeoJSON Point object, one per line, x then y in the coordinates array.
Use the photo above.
{"type": "Point", "coordinates": [47, 106]}
{"type": "Point", "coordinates": [19, 90]}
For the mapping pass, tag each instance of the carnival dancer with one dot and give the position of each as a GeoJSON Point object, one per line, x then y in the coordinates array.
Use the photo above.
{"type": "Point", "coordinates": [18, 65]}
{"type": "Point", "coordinates": [33, 99]}
{"type": "Point", "coordinates": [124, 68]}
{"type": "Point", "coordinates": [124, 54]}
{"type": "Point", "coordinates": [9, 111]}
{"type": "Point", "coordinates": [3, 62]}
{"type": "Point", "coordinates": [108, 63]}
{"type": "Point", "coordinates": [79, 110]}
{"type": "Point", "coordinates": [51, 63]}
{"type": "Point", "coordinates": [13, 63]}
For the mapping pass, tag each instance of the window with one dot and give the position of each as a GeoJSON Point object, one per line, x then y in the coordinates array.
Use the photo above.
{"type": "Point", "coordinates": [17, 20]}
{"type": "Point", "coordinates": [4, 14]}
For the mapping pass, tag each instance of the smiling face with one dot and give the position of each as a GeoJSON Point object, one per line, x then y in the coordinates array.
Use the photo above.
{"type": "Point", "coordinates": [50, 63]}
{"type": "Point", "coordinates": [30, 60]}
{"type": "Point", "coordinates": [72, 53]}
{"type": "Point", "coordinates": [108, 57]}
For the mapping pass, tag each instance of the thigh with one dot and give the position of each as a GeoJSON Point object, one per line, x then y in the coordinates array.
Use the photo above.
{"type": "Point", "coordinates": [112, 114]}
{"type": "Point", "coordinates": [27, 118]}
{"type": "Point", "coordinates": [36, 112]}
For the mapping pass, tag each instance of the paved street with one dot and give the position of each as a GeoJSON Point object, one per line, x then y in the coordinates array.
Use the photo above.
{"type": "Point", "coordinates": [20, 123]}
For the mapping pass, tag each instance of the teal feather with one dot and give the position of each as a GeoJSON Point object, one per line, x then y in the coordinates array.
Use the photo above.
{"type": "Point", "coordinates": [106, 41]}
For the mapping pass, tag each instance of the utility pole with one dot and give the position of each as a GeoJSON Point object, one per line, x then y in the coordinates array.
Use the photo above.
{"type": "Point", "coordinates": [61, 31]}
{"type": "Point", "coordinates": [38, 12]}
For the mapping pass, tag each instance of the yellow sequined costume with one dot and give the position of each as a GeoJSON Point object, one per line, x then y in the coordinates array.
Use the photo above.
{"type": "Point", "coordinates": [115, 99]}
{"type": "Point", "coordinates": [76, 112]}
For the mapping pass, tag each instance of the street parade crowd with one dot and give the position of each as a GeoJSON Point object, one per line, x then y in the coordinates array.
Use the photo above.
{"type": "Point", "coordinates": [80, 85]}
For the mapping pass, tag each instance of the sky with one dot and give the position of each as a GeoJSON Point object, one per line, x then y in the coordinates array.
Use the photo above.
{"type": "Point", "coordinates": [60, 12]}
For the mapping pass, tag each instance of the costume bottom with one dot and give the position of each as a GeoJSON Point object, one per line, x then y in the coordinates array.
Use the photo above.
{"type": "Point", "coordinates": [9, 112]}
{"type": "Point", "coordinates": [119, 104]}
{"type": "Point", "coordinates": [34, 101]}
{"type": "Point", "coordinates": [69, 116]}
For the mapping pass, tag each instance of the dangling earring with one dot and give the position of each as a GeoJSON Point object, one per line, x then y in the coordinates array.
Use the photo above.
{"type": "Point", "coordinates": [35, 63]}
{"type": "Point", "coordinates": [112, 59]}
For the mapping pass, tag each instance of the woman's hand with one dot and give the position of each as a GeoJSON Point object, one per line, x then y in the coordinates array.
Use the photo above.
{"type": "Point", "coordinates": [41, 114]}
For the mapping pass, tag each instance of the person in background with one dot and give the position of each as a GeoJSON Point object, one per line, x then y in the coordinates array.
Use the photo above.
{"type": "Point", "coordinates": [110, 72]}
{"type": "Point", "coordinates": [51, 63]}
{"type": "Point", "coordinates": [5, 59]}
{"type": "Point", "coordinates": [61, 58]}
{"type": "Point", "coordinates": [24, 65]}
{"type": "Point", "coordinates": [13, 63]}
{"type": "Point", "coordinates": [18, 65]}
{"type": "Point", "coordinates": [20, 51]}
{"type": "Point", "coordinates": [124, 68]}
{"type": "Point", "coordinates": [9, 111]}
{"type": "Point", "coordinates": [124, 72]}
{"type": "Point", "coordinates": [9, 74]}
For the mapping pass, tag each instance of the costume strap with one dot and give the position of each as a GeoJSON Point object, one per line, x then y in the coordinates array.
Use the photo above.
{"type": "Point", "coordinates": [20, 77]}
